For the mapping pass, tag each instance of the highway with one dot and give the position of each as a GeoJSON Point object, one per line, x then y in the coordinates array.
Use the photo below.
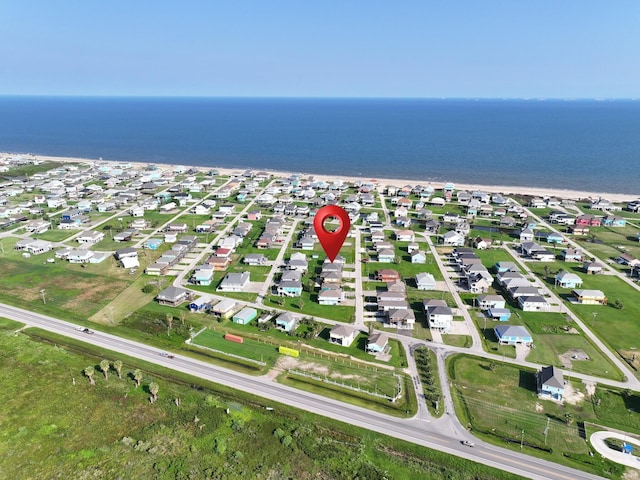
{"type": "Point", "coordinates": [443, 434]}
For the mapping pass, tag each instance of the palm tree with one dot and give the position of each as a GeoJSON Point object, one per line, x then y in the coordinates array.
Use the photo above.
{"type": "Point", "coordinates": [169, 323]}
{"type": "Point", "coordinates": [89, 372]}
{"type": "Point", "coordinates": [137, 376]}
{"type": "Point", "coordinates": [118, 366]}
{"type": "Point", "coordinates": [105, 366]}
{"type": "Point", "coordinates": [568, 418]}
{"type": "Point", "coordinates": [153, 389]}
{"type": "Point", "coordinates": [182, 317]}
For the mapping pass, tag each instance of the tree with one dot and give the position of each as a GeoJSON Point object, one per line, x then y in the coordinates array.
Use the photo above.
{"type": "Point", "coordinates": [547, 271]}
{"type": "Point", "coordinates": [105, 366]}
{"type": "Point", "coordinates": [300, 303]}
{"type": "Point", "coordinates": [618, 304]}
{"type": "Point", "coordinates": [568, 418]}
{"type": "Point", "coordinates": [147, 288]}
{"type": "Point", "coordinates": [182, 316]}
{"type": "Point", "coordinates": [153, 389]}
{"type": "Point", "coordinates": [169, 323]}
{"type": "Point", "coordinates": [137, 376]}
{"type": "Point", "coordinates": [89, 372]}
{"type": "Point", "coordinates": [492, 366]}
{"type": "Point", "coordinates": [118, 366]}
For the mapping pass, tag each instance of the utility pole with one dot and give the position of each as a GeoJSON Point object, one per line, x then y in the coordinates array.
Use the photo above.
{"type": "Point", "coordinates": [522, 440]}
{"type": "Point", "coordinates": [595, 314]}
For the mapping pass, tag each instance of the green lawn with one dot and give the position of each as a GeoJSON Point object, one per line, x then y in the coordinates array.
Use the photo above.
{"type": "Point", "coordinates": [463, 341]}
{"type": "Point", "coordinates": [618, 328]}
{"type": "Point", "coordinates": [499, 401]}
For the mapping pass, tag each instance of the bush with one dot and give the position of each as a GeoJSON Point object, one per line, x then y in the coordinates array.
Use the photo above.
{"type": "Point", "coordinates": [147, 289]}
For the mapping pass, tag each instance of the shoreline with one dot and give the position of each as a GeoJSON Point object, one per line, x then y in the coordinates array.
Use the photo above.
{"type": "Point", "coordinates": [502, 189]}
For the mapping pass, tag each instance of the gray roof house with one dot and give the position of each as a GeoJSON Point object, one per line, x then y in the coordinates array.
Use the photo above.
{"type": "Point", "coordinates": [234, 282]}
{"type": "Point", "coordinates": [173, 296]}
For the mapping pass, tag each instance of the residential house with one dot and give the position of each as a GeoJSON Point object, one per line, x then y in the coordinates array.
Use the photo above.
{"type": "Point", "coordinates": [568, 280]}
{"type": "Point", "coordinates": [287, 322]}
{"type": "Point", "coordinates": [572, 255]}
{"type": "Point", "coordinates": [626, 259]}
{"type": "Point", "coordinates": [453, 239]}
{"type": "Point", "coordinates": [590, 297]}
{"type": "Point", "coordinates": [526, 235]}
{"type": "Point", "coordinates": [330, 294]}
{"type": "Point", "coordinates": [234, 282]}
{"type": "Point", "coordinates": [533, 303]}
{"type": "Point", "coordinates": [500, 314]}
{"type": "Point", "coordinates": [377, 343]}
{"type": "Point", "coordinates": [550, 382]}
{"type": "Point", "coordinates": [90, 237]}
{"type": "Point", "coordinates": [343, 335]}
{"type": "Point", "coordinates": [418, 257]}
{"type": "Point", "coordinates": [401, 318]}
{"type": "Point", "coordinates": [255, 259]}
{"type": "Point", "coordinates": [386, 255]}
{"type": "Point", "coordinates": [289, 288]}
{"type": "Point", "coordinates": [501, 267]}
{"type": "Point", "coordinates": [440, 316]}
{"type": "Point", "coordinates": [202, 275]}
{"type": "Point", "coordinates": [224, 308]}
{"type": "Point", "coordinates": [592, 268]}
{"type": "Point", "coordinates": [485, 302]}
{"type": "Point", "coordinates": [425, 281]}
{"type": "Point", "coordinates": [405, 236]}
{"type": "Point", "coordinates": [513, 335]}
{"type": "Point", "coordinates": [387, 275]}
{"type": "Point", "coordinates": [173, 296]}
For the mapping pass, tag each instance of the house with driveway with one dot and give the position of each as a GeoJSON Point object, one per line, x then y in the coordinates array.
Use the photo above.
{"type": "Point", "coordinates": [343, 335]}
{"type": "Point", "coordinates": [550, 383]}
{"type": "Point", "coordinates": [568, 280]}
{"type": "Point", "coordinates": [234, 282]}
{"type": "Point", "coordinates": [513, 335]}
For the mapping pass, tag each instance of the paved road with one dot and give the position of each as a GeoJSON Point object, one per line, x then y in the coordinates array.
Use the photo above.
{"type": "Point", "coordinates": [444, 435]}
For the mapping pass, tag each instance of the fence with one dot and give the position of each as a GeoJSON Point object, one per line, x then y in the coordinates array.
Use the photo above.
{"type": "Point", "coordinates": [351, 387]}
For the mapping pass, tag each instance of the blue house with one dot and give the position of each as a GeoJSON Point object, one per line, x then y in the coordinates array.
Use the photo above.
{"type": "Point", "coordinates": [153, 243]}
{"type": "Point", "coordinates": [568, 280]}
{"type": "Point", "coordinates": [287, 321]}
{"type": "Point", "coordinates": [200, 305]}
{"type": "Point", "coordinates": [613, 221]}
{"type": "Point", "coordinates": [550, 382]}
{"type": "Point", "coordinates": [554, 237]}
{"type": "Point", "coordinates": [502, 267]}
{"type": "Point", "coordinates": [513, 335]}
{"type": "Point", "coordinates": [501, 314]}
{"type": "Point", "coordinates": [202, 275]}
{"type": "Point", "coordinates": [377, 343]}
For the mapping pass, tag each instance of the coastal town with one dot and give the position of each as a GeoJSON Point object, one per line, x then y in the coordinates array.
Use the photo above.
{"type": "Point", "coordinates": [487, 314]}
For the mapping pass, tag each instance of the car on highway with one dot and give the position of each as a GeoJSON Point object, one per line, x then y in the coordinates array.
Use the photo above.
{"type": "Point", "coordinates": [165, 354]}
{"type": "Point", "coordinates": [86, 330]}
{"type": "Point", "coordinates": [468, 443]}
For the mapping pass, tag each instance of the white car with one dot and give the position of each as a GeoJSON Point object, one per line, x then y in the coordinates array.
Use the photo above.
{"type": "Point", "coordinates": [467, 443]}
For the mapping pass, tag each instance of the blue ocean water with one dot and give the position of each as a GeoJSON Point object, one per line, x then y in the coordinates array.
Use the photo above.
{"type": "Point", "coordinates": [581, 145]}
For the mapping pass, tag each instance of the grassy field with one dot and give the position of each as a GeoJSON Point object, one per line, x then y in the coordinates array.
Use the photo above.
{"type": "Point", "coordinates": [499, 402]}
{"type": "Point", "coordinates": [616, 327]}
{"type": "Point", "coordinates": [111, 430]}
{"type": "Point", "coordinates": [69, 291]}
{"type": "Point", "coordinates": [250, 348]}
{"type": "Point", "coordinates": [457, 340]}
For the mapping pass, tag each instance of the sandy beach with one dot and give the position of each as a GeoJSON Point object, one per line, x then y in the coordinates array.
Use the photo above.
{"type": "Point", "coordinates": [505, 190]}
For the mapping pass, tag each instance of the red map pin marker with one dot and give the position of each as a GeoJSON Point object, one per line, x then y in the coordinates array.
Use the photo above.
{"type": "Point", "coordinates": [331, 241]}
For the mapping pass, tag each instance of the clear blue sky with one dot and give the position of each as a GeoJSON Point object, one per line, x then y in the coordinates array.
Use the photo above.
{"type": "Point", "coordinates": [345, 48]}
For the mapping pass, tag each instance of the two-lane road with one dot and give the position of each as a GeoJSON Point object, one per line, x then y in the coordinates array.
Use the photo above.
{"type": "Point", "coordinates": [412, 430]}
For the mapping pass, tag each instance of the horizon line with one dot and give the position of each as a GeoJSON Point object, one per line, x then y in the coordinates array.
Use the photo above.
{"type": "Point", "coordinates": [309, 97]}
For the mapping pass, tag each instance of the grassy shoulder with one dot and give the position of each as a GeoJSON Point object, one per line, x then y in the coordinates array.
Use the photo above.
{"type": "Point", "coordinates": [498, 402]}
{"type": "Point", "coordinates": [194, 429]}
